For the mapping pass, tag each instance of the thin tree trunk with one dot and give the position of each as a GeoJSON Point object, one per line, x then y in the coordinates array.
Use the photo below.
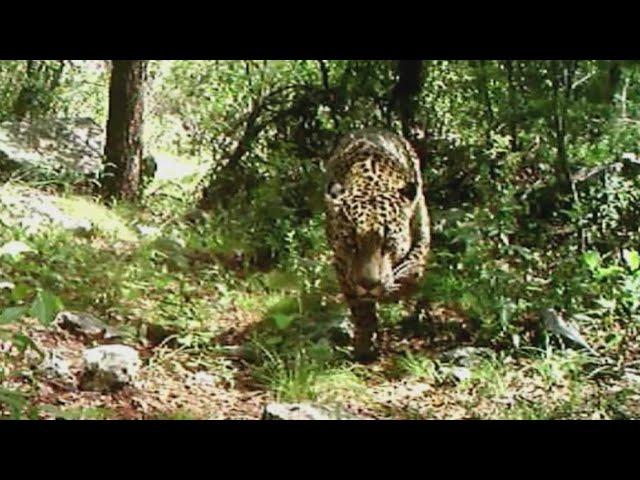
{"type": "Point", "coordinates": [483, 89]}
{"type": "Point", "coordinates": [482, 84]}
{"type": "Point", "coordinates": [123, 150]}
{"type": "Point", "coordinates": [513, 113]}
{"type": "Point", "coordinates": [24, 101]}
{"type": "Point", "coordinates": [614, 77]}
{"type": "Point", "coordinates": [405, 92]}
{"type": "Point", "coordinates": [561, 78]}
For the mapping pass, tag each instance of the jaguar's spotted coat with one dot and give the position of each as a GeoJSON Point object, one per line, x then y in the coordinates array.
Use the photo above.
{"type": "Point", "coordinates": [377, 225]}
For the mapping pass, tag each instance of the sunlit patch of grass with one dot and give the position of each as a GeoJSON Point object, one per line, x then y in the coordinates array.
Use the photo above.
{"type": "Point", "coordinates": [255, 302]}
{"type": "Point", "coordinates": [171, 167]}
{"type": "Point", "coordinates": [301, 377]}
{"type": "Point", "coordinates": [489, 377]}
{"type": "Point", "coordinates": [175, 415]}
{"type": "Point", "coordinates": [558, 368]}
{"type": "Point", "coordinates": [79, 413]}
{"type": "Point", "coordinates": [289, 380]}
{"type": "Point", "coordinates": [526, 410]}
{"type": "Point", "coordinates": [416, 366]}
{"type": "Point", "coordinates": [103, 218]}
{"type": "Point", "coordinates": [340, 384]}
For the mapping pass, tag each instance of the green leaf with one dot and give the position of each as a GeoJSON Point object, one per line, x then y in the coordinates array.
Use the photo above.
{"type": "Point", "coordinates": [592, 259]}
{"type": "Point", "coordinates": [22, 342]}
{"type": "Point", "coordinates": [12, 314]}
{"type": "Point", "coordinates": [632, 259]}
{"type": "Point", "coordinates": [281, 281]}
{"type": "Point", "coordinates": [321, 351]}
{"type": "Point", "coordinates": [14, 400]}
{"type": "Point", "coordinates": [609, 272]}
{"type": "Point", "coordinates": [285, 306]}
{"type": "Point", "coordinates": [20, 292]}
{"type": "Point", "coordinates": [45, 307]}
{"type": "Point", "coordinates": [283, 320]}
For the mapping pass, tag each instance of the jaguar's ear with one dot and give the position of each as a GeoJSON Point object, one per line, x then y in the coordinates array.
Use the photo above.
{"type": "Point", "coordinates": [334, 190]}
{"type": "Point", "coordinates": [410, 190]}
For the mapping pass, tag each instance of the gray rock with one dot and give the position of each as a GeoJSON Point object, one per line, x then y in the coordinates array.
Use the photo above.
{"type": "Point", "coordinates": [14, 248]}
{"type": "Point", "coordinates": [84, 324]}
{"type": "Point", "coordinates": [80, 226]}
{"type": "Point", "coordinates": [204, 379]}
{"type": "Point", "coordinates": [149, 231]}
{"type": "Point", "coordinates": [457, 373]}
{"type": "Point", "coordinates": [58, 146]}
{"type": "Point", "coordinates": [55, 366]}
{"type": "Point", "coordinates": [631, 377]}
{"type": "Point", "coordinates": [109, 367]}
{"type": "Point", "coordinates": [466, 356]}
{"type": "Point", "coordinates": [34, 211]}
{"type": "Point", "coordinates": [555, 323]}
{"type": "Point", "coordinates": [302, 411]}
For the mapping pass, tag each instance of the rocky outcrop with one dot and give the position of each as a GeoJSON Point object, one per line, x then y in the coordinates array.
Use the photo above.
{"type": "Point", "coordinates": [72, 146]}
{"type": "Point", "coordinates": [109, 368]}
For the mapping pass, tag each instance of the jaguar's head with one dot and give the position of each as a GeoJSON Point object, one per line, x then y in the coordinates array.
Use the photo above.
{"type": "Point", "coordinates": [371, 232]}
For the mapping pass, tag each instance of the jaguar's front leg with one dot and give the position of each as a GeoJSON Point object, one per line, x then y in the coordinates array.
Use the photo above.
{"type": "Point", "coordinates": [411, 269]}
{"type": "Point", "coordinates": [365, 323]}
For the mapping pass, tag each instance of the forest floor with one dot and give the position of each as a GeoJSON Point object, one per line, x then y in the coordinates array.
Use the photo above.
{"type": "Point", "coordinates": [211, 349]}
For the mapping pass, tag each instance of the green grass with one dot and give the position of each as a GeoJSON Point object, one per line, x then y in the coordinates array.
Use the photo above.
{"type": "Point", "coordinates": [176, 415]}
{"type": "Point", "coordinates": [89, 413]}
{"type": "Point", "coordinates": [301, 377]}
{"type": "Point", "coordinates": [104, 219]}
{"type": "Point", "coordinates": [414, 366]}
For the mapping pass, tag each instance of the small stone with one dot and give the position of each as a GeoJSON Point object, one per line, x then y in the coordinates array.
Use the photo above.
{"type": "Point", "coordinates": [14, 248]}
{"type": "Point", "coordinates": [80, 226]}
{"type": "Point", "coordinates": [85, 324]}
{"type": "Point", "coordinates": [461, 373]}
{"type": "Point", "coordinates": [147, 231]}
{"type": "Point", "coordinates": [458, 373]}
{"type": "Point", "coordinates": [109, 367]}
{"type": "Point", "coordinates": [632, 377]}
{"type": "Point", "coordinates": [56, 366]}
{"type": "Point", "coordinates": [204, 379]}
{"type": "Point", "coordinates": [466, 356]}
{"type": "Point", "coordinates": [302, 411]}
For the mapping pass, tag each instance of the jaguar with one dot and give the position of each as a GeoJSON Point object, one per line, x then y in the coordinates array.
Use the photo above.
{"type": "Point", "coordinates": [377, 225]}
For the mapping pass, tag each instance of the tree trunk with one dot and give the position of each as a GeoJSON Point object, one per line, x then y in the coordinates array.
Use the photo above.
{"type": "Point", "coordinates": [513, 109]}
{"type": "Point", "coordinates": [405, 92]}
{"type": "Point", "coordinates": [24, 102]}
{"type": "Point", "coordinates": [614, 74]}
{"type": "Point", "coordinates": [123, 150]}
{"type": "Point", "coordinates": [561, 80]}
